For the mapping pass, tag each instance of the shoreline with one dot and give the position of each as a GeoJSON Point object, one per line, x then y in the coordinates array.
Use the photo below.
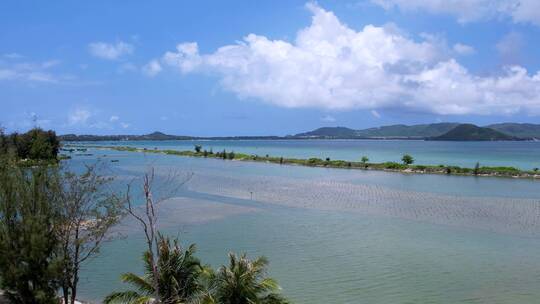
{"type": "Point", "coordinates": [484, 171]}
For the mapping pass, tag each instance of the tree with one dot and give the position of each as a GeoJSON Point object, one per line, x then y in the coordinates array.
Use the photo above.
{"type": "Point", "coordinates": [147, 218]}
{"type": "Point", "coordinates": [364, 159]}
{"type": "Point", "coordinates": [35, 144]}
{"type": "Point", "coordinates": [51, 221]}
{"type": "Point", "coordinates": [407, 159]}
{"type": "Point", "coordinates": [198, 148]}
{"type": "Point", "coordinates": [88, 212]}
{"type": "Point", "coordinates": [3, 142]}
{"type": "Point", "coordinates": [44, 145]}
{"type": "Point", "coordinates": [178, 270]}
{"type": "Point", "coordinates": [29, 203]}
{"type": "Point", "coordinates": [245, 281]}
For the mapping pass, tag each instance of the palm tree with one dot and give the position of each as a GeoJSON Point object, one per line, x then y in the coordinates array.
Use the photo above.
{"type": "Point", "coordinates": [245, 282]}
{"type": "Point", "coordinates": [179, 273]}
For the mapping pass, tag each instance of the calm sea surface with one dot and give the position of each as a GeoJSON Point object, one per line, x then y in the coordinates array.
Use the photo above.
{"type": "Point", "coordinates": [345, 236]}
{"type": "Point", "coordinates": [521, 154]}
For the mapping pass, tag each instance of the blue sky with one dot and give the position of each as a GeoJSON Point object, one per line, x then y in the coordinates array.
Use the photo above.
{"type": "Point", "coordinates": [213, 68]}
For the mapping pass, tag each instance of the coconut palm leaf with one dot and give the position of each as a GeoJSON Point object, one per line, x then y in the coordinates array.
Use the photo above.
{"type": "Point", "coordinates": [244, 281]}
{"type": "Point", "coordinates": [127, 297]}
{"type": "Point", "coordinates": [141, 283]}
{"type": "Point", "coordinates": [178, 280]}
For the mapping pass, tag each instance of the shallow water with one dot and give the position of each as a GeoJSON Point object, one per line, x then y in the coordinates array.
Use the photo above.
{"type": "Point", "coordinates": [343, 236]}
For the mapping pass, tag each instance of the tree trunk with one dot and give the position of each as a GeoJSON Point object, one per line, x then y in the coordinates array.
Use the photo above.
{"type": "Point", "coordinates": [75, 274]}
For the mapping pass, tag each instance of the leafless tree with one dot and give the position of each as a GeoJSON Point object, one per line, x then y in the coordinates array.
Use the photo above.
{"type": "Point", "coordinates": [147, 214]}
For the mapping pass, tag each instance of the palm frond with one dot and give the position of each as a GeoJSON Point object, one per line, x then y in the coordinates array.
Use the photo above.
{"type": "Point", "coordinates": [141, 283]}
{"type": "Point", "coordinates": [126, 297]}
{"type": "Point", "coordinates": [269, 284]}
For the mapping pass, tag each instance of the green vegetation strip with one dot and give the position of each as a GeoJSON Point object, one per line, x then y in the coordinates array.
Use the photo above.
{"type": "Point", "coordinates": [340, 164]}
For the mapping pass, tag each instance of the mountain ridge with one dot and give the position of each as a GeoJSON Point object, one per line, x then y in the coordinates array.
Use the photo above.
{"type": "Point", "coordinates": [515, 131]}
{"type": "Point", "coordinates": [425, 131]}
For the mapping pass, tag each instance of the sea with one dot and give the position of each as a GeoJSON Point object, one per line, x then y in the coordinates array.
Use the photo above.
{"type": "Point", "coordinates": [337, 235]}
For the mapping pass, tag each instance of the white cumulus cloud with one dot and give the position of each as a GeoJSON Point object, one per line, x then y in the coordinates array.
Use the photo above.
{"type": "Point", "coordinates": [332, 66]}
{"type": "Point", "coordinates": [110, 51]}
{"type": "Point", "coordinates": [524, 11]}
{"type": "Point", "coordinates": [152, 68]}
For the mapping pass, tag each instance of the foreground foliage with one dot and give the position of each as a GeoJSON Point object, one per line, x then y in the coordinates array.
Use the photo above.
{"type": "Point", "coordinates": [183, 279]}
{"type": "Point", "coordinates": [87, 212]}
{"type": "Point", "coordinates": [51, 222]}
{"type": "Point", "coordinates": [29, 265]}
{"type": "Point", "coordinates": [179, 271]}
{"type": "Point", "coordinates": [245, 281]}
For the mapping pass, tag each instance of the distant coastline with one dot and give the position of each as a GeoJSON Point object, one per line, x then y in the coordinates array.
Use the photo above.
{"type": "Point", "coordinates": [480, 171]}
{"type": "Point", "coordinates": [437, 131]}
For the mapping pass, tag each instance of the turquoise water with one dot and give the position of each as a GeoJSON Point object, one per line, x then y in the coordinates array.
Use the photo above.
{"type": "Point", "coordinates": [520, 154]}
{"type": "Point", "coordinates": [342, 236]}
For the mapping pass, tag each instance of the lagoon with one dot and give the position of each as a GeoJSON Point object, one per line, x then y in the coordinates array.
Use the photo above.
{"type": "Point", "coordinates": [341, 236]}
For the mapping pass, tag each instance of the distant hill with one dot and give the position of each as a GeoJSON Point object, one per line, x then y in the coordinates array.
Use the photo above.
{"type": "Point", "coordinates": [414, 131]}
{"type": "Point", "coordinates": [393, 131]}
{"type": "Point", "coordinates": [334, 132]}
{"type": "Point", "coordinates": [524, 130]}
{"type": "Point", "coordinates": [470, 132]}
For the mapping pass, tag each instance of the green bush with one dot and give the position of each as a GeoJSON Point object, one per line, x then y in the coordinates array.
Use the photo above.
{"type": "Point", "coordinates": [314, 161]}
{"type": "Point", "coordinates": [393, 165]}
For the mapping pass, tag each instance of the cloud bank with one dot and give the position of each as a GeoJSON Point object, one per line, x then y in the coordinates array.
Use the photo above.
{"type": "Point", "coordinates": [334, 67]}
{"type": "Point", "coordinates": [519, 11]}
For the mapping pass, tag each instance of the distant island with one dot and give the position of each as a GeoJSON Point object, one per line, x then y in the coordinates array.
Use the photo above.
{"type": "Point", "coordinates": [436, 131]}
{"type": "Point", "coordinates": [470, 132]}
